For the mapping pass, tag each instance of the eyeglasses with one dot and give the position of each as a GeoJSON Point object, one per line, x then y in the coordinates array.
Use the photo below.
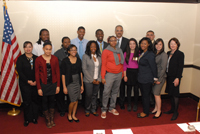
{"type": "Point", "coordinates": [113, 40]}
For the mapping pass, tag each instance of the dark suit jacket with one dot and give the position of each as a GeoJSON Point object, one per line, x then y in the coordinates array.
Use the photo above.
{"type": "Point", "coordinates": [124, 44]}
{"type": "Point", "coordinates": [104, 46]}
{"type": "Point", "coordinates": [147, 69]}
{"type": "Point", "coordinates": [176, 63]}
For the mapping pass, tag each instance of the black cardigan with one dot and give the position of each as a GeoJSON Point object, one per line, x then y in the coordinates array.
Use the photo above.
{"type": "Point", "coordinates": [66, 69]}
{"type": "Point", "coordinates": [176, 63]}
{"type": "Point", "coordinates": [24, 69]}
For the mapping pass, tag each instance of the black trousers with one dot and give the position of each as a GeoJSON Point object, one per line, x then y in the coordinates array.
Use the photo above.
{"type": "Point", "coordinates": [136, 94]}
{"type": "Point", "coordinates": [101, 93]}
{"type": "Point", "coordinates": [48, 102]}
{"type": "Point", "coordinates": [60, 100]}
{"type": "Point", "coordinates": [30, 102]}
{"type": "Point", "coordinates": [146, 90]}
{"type": "Point", "coordinates": [122, 93]}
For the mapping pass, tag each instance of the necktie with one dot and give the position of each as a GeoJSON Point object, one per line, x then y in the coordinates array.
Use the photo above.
{"type": "Point", "coordinates": [117, 43]}
{"type": "Point", "coordinates": [80, 51]}
{"type": "Point", "coordinates": [101, 48]}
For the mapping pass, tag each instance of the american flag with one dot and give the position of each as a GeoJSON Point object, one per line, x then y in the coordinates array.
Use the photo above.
{"type": "Point", "coordinates": [9, 91]}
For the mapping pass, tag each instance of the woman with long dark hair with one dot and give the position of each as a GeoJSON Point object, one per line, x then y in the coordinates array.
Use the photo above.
{"type": "Point", "coordinates": [131, 72]}
{"type": "Point", "coordinates": [161, 62]}
{"type": "Point", "coordinates": [111, 73]}
{"type": "Point", "coordinates": [38, 46]}
{"type": "Point", "coordinates": [72, 79]}
{"type": "Point", "coordinates": [91, 65]}
{"type": "Point", "coordinates": [147, 74]}
{"type": "Point", "coordinates": [47, 75]}
{"type": "Point", "coordinates": [26, 70]}
{"type": "Point", "coordinates": [174, 74]}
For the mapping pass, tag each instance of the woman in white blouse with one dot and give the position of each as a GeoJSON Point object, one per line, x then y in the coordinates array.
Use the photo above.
{"type": "Point", "coordinates": [91, 66]}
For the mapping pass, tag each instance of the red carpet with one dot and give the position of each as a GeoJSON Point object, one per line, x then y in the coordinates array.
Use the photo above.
{"type": "Point", "coordinates": [9, 125]}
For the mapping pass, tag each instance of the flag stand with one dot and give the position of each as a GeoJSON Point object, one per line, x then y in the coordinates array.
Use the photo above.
{"type": "Point", "coordinates": [13, 112]}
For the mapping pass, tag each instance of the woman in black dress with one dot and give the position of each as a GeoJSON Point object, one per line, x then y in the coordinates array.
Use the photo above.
{"type": "Point", "coordinates": [174, 74]}
{"type": "Point", "coordinates": [72, 80]}
{"type": "Point", "coordinates": [26, 70]}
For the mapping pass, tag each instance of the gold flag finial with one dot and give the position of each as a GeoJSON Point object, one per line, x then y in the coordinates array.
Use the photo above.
{"type": "Point", "coordinates": [4, 4]}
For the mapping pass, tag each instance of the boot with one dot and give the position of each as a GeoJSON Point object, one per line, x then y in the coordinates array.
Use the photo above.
{"type": "Point", "coordinates": [48, 123]}
{"type": "Point", "coordinates": [52, 117]}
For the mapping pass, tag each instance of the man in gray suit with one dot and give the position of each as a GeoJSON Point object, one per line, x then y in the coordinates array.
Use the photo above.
{"type": "Point", "coordinates": [102, 45]}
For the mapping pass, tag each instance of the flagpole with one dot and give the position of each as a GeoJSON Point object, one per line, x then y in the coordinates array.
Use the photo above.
{"type": "Point", "coordinates": [12, 112]}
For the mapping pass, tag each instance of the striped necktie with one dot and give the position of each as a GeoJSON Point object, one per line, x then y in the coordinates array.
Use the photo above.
{"type": "Point", "coordinates": [101, 48]}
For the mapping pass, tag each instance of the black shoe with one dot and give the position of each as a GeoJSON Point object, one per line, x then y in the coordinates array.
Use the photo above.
{"type": "Point", "coordinates": [87, 114]}
{"type": "Point", "coordinates": [34, 121]}
{"type": "Point", "coordinates": [175, 116]}
{"type": "Point", "coordinates": [122, 107]}
{"type": "Point", "coordinates": [169, 112]}
{"type": "Point", "coordinates": [62, 114]}
{"type": "Point", "coordinates": [76, 120]}
{"type": "Point", "coordinates": [129, 108]}
{"type": "Point", "coordinates": [158, 116]}
{"type": "Point", "coordinates": [135, 108]}
{"type": "Point", "coordinates": [69, 119]}
{"type": "Point", "coordinates": [26, 123]}
{"type": "Point", "coordinates": [153, 112]}
{"type": "Point", "coordinates": [139, 115]}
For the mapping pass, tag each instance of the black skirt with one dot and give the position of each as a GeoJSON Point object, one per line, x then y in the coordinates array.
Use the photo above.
{"type": "Point", "coordinates": [49, 88]}
{"type": "Point", "coordinates": [170, 88]}
{"type": "Point", "coordinates": [132, 75]}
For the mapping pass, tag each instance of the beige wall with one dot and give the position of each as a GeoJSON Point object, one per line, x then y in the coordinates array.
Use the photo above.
{"type": "Point", "coordinates": [62, 18]}
{"type": "Point", "coordinates": [195, 88]}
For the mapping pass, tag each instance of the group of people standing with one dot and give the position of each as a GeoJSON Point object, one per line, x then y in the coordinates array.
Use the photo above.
{"type": "Point", "coordinates": [92, 67]}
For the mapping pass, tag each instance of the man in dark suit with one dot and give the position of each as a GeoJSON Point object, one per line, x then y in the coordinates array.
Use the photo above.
{"type": "Point", "coordinates": [102, 45]}
{"type": "Point", "coordinates": [122, 42]}
{"type": "Point", "coordinates": [151, 35]}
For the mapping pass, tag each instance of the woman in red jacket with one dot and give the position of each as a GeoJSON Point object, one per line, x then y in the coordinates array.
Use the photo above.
{"type": "Point", "coordinates": [47, 75]}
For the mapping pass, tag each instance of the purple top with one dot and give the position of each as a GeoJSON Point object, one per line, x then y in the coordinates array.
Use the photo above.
{"type": "Point", "coordinates": [131, 63]}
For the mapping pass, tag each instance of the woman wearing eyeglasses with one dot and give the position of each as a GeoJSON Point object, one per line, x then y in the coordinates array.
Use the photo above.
{"type": "Point", "coordinates": [111, 73]}
{"type": "Point", "coordinates": [26, 70]}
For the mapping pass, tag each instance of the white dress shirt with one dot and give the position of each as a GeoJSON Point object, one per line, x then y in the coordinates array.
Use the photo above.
{"type": "Point", "coordinates": [38, 49]}
{"type": "Point", "coordinates": [96, 66]}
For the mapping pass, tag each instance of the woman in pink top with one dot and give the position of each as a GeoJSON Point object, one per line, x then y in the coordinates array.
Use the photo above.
{"type": "Point", "coordinates": [131, 71]}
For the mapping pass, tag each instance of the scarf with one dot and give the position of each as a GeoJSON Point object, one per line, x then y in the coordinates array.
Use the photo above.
{"type": "Point", "coordinates": [115, 52]}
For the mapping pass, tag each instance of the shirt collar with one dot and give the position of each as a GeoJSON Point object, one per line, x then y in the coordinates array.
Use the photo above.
{"type": "Point", "coordinates": [94, 55]}
{"type": "Point", "coordinates": [120, 39]}
{"type": "Point", "coordinates": [80, 40]}
{"type": "Point", "coordinates": [100, 43]}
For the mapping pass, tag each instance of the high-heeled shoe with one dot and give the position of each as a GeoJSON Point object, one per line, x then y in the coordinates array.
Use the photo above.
{"type": "Point", "coordinates": [69, 119]}
{"type": "Point", "coordinates": [76, 120]}
{"type": "Point", "coordinates": [175, 116]}
{"type": "Point", "coordinates": [157, 116]}
{"type": "Point", "coordinates": [153, 112]}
